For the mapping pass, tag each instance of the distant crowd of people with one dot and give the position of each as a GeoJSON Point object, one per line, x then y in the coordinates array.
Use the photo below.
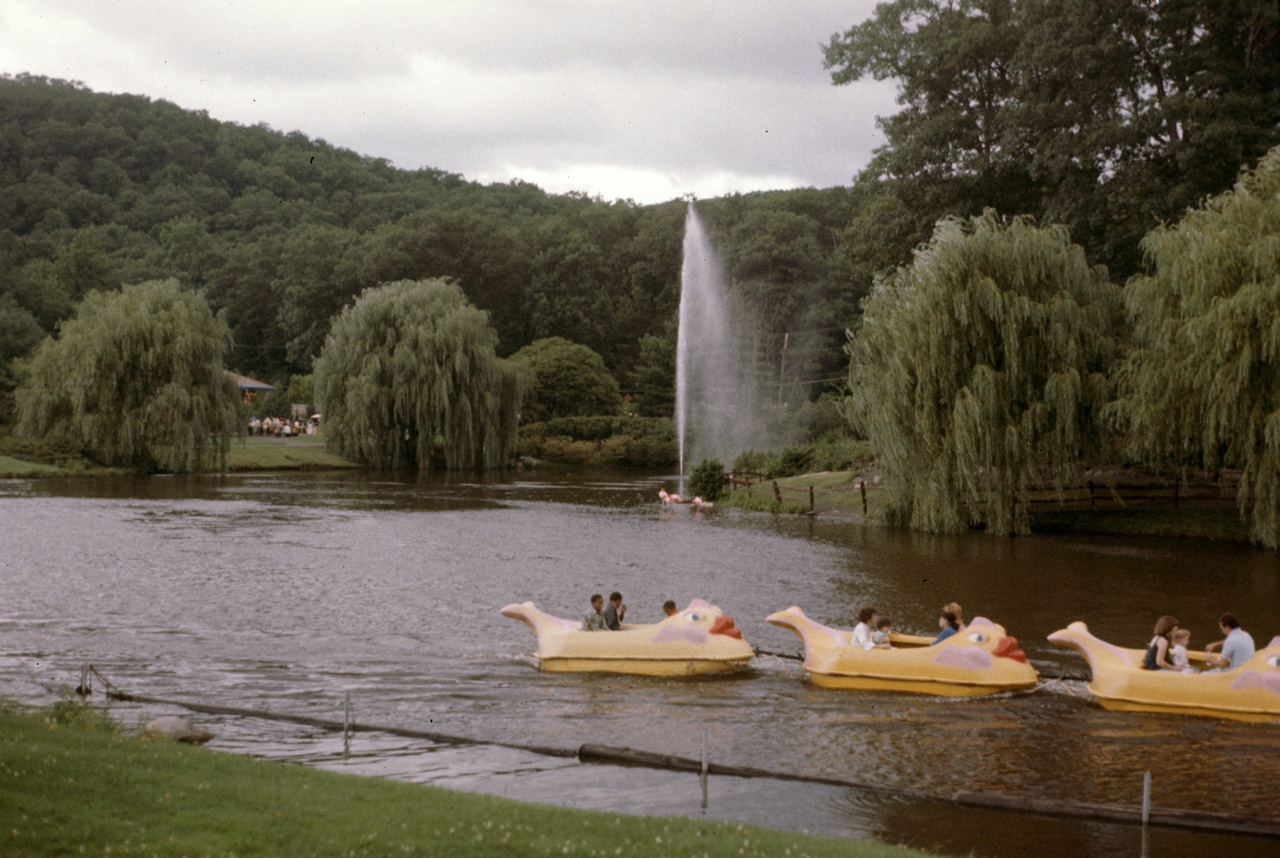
{"type": "Point", "coordinates": [282, 428]}
{"type": "Point", "coordinates": [1168, 648]}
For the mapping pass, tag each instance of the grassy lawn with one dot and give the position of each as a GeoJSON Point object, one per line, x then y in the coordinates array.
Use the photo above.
{"type": "Point", "coordinates": [83, 788]}
{"type": "Point", "coordinates": [274, 454]}
{"type": "Point", "coordinates": [11, 467]}
{"type": "Point", "coordinates": [835, 493]}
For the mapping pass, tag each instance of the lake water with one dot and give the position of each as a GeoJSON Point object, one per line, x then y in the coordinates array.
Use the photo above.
{"type": "Point", "coordinates": [285, 592]}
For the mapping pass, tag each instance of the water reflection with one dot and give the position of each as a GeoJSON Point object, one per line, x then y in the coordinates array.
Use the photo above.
{"type": "Point", "coordinates": [284, 592]}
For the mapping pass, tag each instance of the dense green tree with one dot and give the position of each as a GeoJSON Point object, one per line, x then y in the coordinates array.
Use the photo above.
{"type": "Point", "coordinates": [409, 378]}
{"type": "Point", "coordinates": [981, 365]}
{"type": "Point", "coordinates": [570, 380]}
{"type": "Point", "coordinates": [136, 377]}
{"type": "Point", "coordinates": [1106, 115]}
{"type": "Point", "coordinates": [19, 334]}
{"type": "Point", "coordinates": [653, 381]}
{"type": "Point", "coordinates": [1202, 385]}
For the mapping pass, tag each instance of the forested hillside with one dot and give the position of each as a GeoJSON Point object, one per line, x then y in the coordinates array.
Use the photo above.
{"type": "Point", "coordinates": [281, 231]}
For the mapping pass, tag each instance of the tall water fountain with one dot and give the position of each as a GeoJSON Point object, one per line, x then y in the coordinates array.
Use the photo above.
{"type": "Point", "coordinates": [715, 381]}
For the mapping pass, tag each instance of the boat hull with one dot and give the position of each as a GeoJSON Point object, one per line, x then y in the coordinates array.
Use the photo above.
{"type": "Point", "coordinates": [967, 665]}
{"type": "Point", "coordinates": [642, 667]}
{"type": "Point", "coordinates": [698, 640]}
{"type": "Point", "coordinates": [1251, 692]}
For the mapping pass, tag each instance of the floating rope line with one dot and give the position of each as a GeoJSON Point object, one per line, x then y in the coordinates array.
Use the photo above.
{"type": "Point", "coordinates": [623, 756]}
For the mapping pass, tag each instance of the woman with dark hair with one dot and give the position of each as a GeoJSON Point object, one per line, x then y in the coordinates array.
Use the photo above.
{"type": "Point", "coordinates": [1157, 657]}
{"type": "Point", "coordinates": [862, 634]}
{"type": "Point", "coordinates": [949, 625]}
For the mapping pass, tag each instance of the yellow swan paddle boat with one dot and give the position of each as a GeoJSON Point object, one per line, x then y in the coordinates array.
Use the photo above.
{"type": "Point", "coordinates": [981, 659]}
{"type": "Point", "coordinates": [699, 639]}
{"type": "Point", "coordinates": [1250, 692]}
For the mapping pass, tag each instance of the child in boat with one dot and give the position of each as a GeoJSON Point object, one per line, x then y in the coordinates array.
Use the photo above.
{"type": "Point", "coordinates": [1178, 652]}
{"type": "Point", "coordinates": [594, 621]}
{"type": "Point", "coordinates": [881, 636]}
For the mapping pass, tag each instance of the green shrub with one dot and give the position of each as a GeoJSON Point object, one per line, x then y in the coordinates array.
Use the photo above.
{"type": "Point", "coordinates": [795, 460]}
{"type": "Point", "coordinates": [751, 462]}
{"type": "Point", "coordinates": [652, 452]}
{"type": "Point", "coordinates": [558, 448]}
{"type": "Point", "coordinates": [844, 454]}
{"type": "Point", "coordinates": [708, 480]}
{"type": "Point", "coordinates": [74, 710]}
{"type": "Point", "coordinates": [613, 450]}
{"type": "Point", "coordinates": [529, 445]}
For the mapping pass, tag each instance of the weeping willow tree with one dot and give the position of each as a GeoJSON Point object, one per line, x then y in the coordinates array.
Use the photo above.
{"type": "Point", "coordinates": [1203, 383]}
{"type": "Point", "coordinates": [408, 378]}
{"type": "Point", "coordinates": [136, 377]}
{"type": "Point", "coordinates": [981, 365]}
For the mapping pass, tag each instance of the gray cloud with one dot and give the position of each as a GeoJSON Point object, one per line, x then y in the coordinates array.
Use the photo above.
{"type": "Point", "coordinates": [646, 100]}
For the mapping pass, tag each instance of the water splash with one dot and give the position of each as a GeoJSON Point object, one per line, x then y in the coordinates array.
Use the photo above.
{"type": "Point", "coordinates": [715, 385]}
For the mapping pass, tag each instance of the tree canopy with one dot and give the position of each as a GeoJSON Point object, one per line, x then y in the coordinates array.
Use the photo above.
{"type": "Point", "coordinates": [1202, 385]}
{"type": "Point", "coordinates": [136, 376]}
{"type": "Point", "coordinates": [570, 380]}
{"type": "Point", "coordinates": [409, 379]}
{"type": "Point", "coordinates": [982, 363]}
{"type": "Point", "coordinates": [1109, 117]}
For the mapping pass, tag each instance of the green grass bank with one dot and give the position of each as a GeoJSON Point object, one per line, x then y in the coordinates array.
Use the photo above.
{"type": "Point", "coordinates": [70, 784]}
{"type": "Point", "coordinates": [275, 454]}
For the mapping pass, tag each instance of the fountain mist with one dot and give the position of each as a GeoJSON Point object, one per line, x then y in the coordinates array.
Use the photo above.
{"type": "Point", "coordinates": [715, 384]}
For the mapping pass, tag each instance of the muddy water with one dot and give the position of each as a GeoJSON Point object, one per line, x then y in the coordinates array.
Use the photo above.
{"type": "Point", "coordinates": [285, 592]}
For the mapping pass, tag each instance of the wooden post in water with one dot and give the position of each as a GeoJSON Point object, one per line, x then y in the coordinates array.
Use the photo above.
{"type": "Point", "coordinates": [346, 724]}
{"type": "Point", "coordinates": [703, 776]}
{"type": "Point", "coordinates": [1146, 798]}
{"type": "Point", "coordinates": [862, 487]}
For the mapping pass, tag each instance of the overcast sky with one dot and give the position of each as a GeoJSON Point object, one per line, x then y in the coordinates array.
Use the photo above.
{"type": "Point", "coordinates": [646, 100]}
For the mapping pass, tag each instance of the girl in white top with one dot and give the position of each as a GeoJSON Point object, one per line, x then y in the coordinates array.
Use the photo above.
{"type": "Point", "coordinates": [862, 634]}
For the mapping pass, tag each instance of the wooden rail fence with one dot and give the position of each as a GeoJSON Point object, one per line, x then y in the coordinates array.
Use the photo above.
{"type": "Point", "coordinates": [1093, 494]}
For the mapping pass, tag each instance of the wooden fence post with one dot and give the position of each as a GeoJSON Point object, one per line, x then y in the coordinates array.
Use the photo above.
{"type": "Point", "coordinates": [811, 499]}
{"type": "Point", "coordinates": [777, 492]}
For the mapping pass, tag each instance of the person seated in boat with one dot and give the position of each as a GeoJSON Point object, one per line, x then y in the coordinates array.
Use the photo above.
{"type": "Point", "coordinates": [1236, 648]}
{"type": "Point", "coordinates": [669, 608]}
{"type": "Point", "coordinates": [595, 621]}
{"type": "Point", "coordinates": [884, 628]}
{"type": "Point", "coordinates": [954, 607]}
{"type": "Point", "coordinates": [1178, 651]}
{"type": "Point", "coordinates": [862, 635]}
{"type": "Point", "coordinates": [949, 626]}
{"type": "Point", "coordinates": [615, 612]}
{"type": "Point", "coordinates": [1157, 657]}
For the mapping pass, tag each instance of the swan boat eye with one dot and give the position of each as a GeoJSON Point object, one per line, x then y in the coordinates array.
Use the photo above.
{"type": "Point", "coordinates": [1273, 661]}
{"type": "Point", "coordinates": [692, 616]}
{"type": "Point", "coordinates": [977, 637]}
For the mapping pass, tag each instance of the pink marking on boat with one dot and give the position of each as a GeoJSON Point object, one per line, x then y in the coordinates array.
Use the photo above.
{"type": "Point", "coordinates": [971, 657]}
{"type": "Point", "coordinates": [1254, 679]}
{"type": "Point", "coordinates": [693, 634]}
